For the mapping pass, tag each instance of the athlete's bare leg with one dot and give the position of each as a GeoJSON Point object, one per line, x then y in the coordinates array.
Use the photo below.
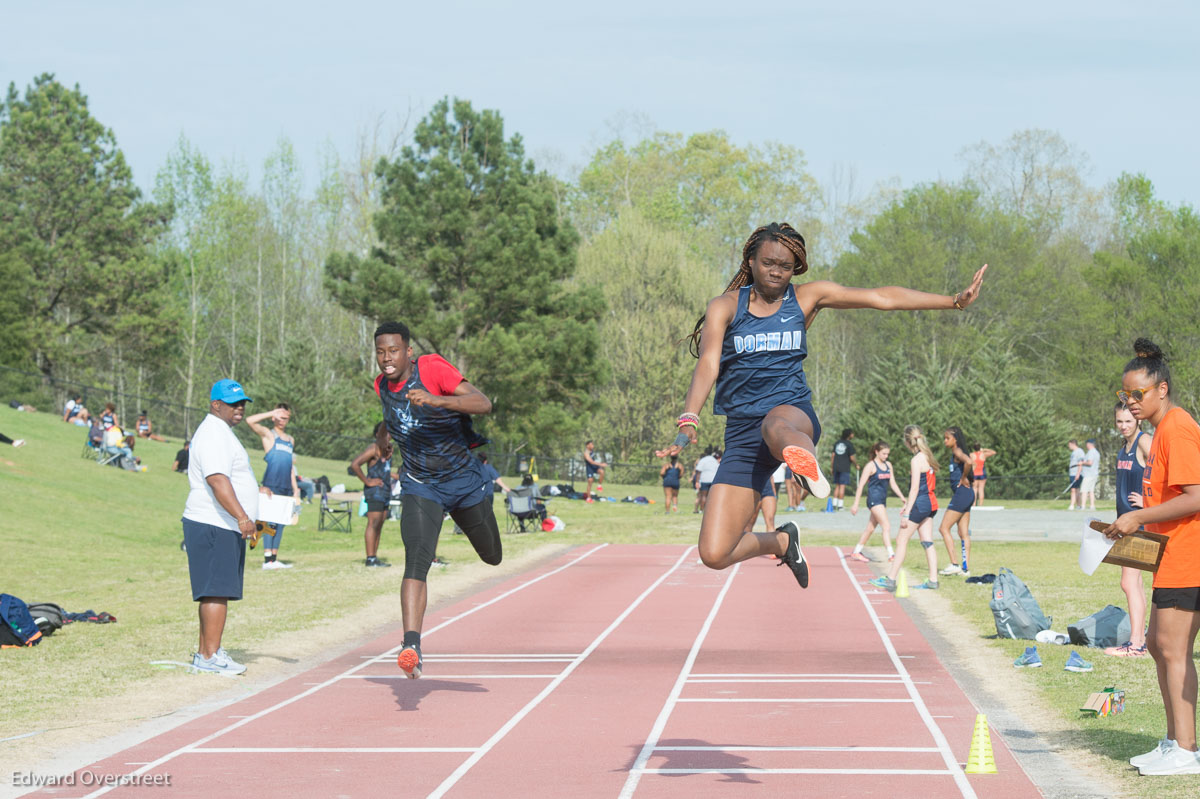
{"type": "Point", "coordinates": [948, 521]}
{"type": "Point", "coordinates": [925, 531]}
{"type": "Point", "coordinates": [907, 528]}
{"type": "Point", "coordinates": [979, 486]}
{"type": "Point", "coordinates": [414, 595]}
{"type": "Point", "coordinates": [723, 540]}
{"type": "Point", "coordinates": [964, 534]}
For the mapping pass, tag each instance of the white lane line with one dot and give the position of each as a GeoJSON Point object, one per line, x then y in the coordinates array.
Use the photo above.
{"type": "Point", "coordinates": [812, 674]}
{"type": "Point", "coordinates": [188, 747]}
{"type": "Point", "coordinates": [499, 735]}
{"type": "Point", "coordinates": [367, 750]}
{"type": "Point", "coordinates": [694, 681]}
{"type": "Point", "coordinates": [796, 749]}
{"type": "Point", "coordinates": [939, 738]}
{"type": "Point", "coordinates": [451, 677]}
{"type": "Point", "coordinates": [914, 772]}
{"type": "Point", "coordinates": [635, 772]}
{"type": "Point", "coordinates": [806, 700]}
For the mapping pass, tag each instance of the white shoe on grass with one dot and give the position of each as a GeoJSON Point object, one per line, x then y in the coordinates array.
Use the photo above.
{"type": "Point", "coordinates": [219, 663]}
{"type": "Point", "coordinates": [1154, 754]}
{"type": "Point", "coordinates": [1175, 760]}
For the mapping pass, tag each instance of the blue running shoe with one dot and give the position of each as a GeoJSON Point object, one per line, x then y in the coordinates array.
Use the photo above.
{"type": "Point", "coordinates": [884, 583]}
{"type": "Point", "coordinates": [1029, 659]}
{"type": "Point", "coordinates": [1076, 663]}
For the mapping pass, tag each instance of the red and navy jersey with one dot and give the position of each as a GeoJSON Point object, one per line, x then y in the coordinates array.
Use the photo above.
{"type": "Point", "coordinates": [1129, 475]}
{"type": "Point", "coordinates": [926, 500]}
{"type": "Point", "coordinates": [762, 360]}
{"type": "Point", "coordinates": [434, 442]}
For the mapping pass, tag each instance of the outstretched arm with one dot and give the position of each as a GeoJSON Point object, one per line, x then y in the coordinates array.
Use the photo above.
{"type": "Point", "coordinates": [826, 294]}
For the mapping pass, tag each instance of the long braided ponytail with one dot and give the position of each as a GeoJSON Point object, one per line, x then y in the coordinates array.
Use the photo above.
{"type": "Point", "coordinates": [781, 232]}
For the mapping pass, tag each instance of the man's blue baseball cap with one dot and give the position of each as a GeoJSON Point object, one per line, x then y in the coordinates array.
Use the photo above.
{"type": "Point", "coordinates": [228, 391]}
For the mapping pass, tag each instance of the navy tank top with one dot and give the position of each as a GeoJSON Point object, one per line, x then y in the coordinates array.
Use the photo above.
{"type": "Point", "coordinates": [762, 360]}
{"type": "Point", "coordinates": [382, 469]}
{"type": "Point", "coordinates": [671, 478]}
{"type": "Point", "coordinates": [1129, 475]}
{"type": "Point", "coordinates": [278, 476]}
{"type": "Point", "coordinates": [926, 499]}
{"type": "Point", "coordinates": [434, 442]}
{"type": "Point", "coordinates": [877, 484]}
{"type": "Point", "coordinates": [956, 472]}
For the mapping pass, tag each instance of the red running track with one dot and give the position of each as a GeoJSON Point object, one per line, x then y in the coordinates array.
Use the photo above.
{"type": "Point", "coordinates": [616, 671]}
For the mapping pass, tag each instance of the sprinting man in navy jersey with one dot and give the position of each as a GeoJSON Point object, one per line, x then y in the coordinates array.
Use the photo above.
{"type": "Point", "coordinates": [425, 407]}
{"type": "Point", "coordinates": [751, 344]}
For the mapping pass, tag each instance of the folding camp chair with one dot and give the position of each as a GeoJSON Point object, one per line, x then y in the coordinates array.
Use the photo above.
{"type": "Point", "coordinates": [335, 519]}
{"type": "Point", "coordinates": [522, 510]}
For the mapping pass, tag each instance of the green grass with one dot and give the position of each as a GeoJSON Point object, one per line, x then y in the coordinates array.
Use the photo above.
{"type": "Point", "coordinates": [96, 537]}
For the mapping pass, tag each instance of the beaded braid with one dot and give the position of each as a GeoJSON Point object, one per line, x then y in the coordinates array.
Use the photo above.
{"type": "Point", "coordinates": [781, 232]}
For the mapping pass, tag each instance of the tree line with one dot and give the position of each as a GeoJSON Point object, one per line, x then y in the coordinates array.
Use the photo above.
{"type": "Point", "coordinates": [567, 298]}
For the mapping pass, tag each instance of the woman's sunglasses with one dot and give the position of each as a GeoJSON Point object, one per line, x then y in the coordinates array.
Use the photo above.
{"type": "Point", "coordinates": [1136, 394]}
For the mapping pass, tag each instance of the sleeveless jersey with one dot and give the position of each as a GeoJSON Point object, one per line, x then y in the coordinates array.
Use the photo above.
{"type": "Point", "coordinates": [980, 462]}
{"type": "Point", "coordinates": [382, 469]}
{"type": "Point", "coordinates": [278, 476]}
{"type": "Point", "coordinates": [671, 478]}
{"type": "Point", "coordinates": [433, 441]}
{"type": "Point", "coordinates": [762, 360]}
{"type": "Point", "coordinates": [1129, 475]}
{"type": "Point", "coordinates": [877, 484]}
{"type": "Point", "coordinates": [925, 496]}
{"type": "Point", "coordinates": [956, 472]}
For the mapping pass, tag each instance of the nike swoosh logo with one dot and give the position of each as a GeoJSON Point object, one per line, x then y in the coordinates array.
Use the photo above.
{"type": "Point", "coordinates": [787, 318]}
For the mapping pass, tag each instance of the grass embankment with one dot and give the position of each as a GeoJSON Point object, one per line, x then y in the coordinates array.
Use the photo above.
{"type": "Point", "coordinates": [97, 537]}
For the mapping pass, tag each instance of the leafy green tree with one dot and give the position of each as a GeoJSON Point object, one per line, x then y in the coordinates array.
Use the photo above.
{"type": "Point", "coordinates": [473, 257]}
{"type": "Point", "coordinates": [69, 210]}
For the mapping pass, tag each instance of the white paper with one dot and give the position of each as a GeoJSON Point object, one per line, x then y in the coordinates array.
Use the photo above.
{"type": "Point", "coordinates": [276, 509]}
{"type": "Point", "coordinates": [1093, 548]}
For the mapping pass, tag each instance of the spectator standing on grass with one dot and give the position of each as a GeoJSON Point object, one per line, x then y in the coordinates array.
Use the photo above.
{"type": "Point", "coordinates": [1131, 464]}
{"type": "Point", "coordinates": [181, 458]}
{"type": "Point", "coordinates": [377, 491]}
{"type": "Point", "coordinates": [75, 413]}
{"type": "Point", "coordinates": [489, 471]}
{"type": "Point", "coordinates": [280, 474]}
{"type": "Point", "coordinates": [221, 506]}
{"type": "Point", "coordinates": [843, 461]}
{"type": "Point", "coordinates": [594, 467]}
{"type": "Point", "coordinates": [1171, 499]}
{"type": "Point", "coordinates": [1090, 473]}
{"type": "Point", "coordinates": [1075, 472]}
{"type": "Point", "coordinates": [670, 474]}
{"type": "Point", "coordinates": [979, 457]}
{"type": "Point", "coordinates": [706, 470]}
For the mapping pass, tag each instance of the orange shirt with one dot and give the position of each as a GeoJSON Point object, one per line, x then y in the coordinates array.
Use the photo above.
{"type": "Point", "coordinates": [1174, 462]}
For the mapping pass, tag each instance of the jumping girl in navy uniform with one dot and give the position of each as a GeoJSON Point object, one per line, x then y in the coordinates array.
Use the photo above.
{"type": "Point", "coordinates": [377, 491]}
{"type": "Point", "coordinates": [877, 476]}
{"type": "Point", "coordinates": [919, 509]}
{"type": "Point", "coordinates": [425, 407]}
{"type": "Point", "coordinates": [751, 344]}
{"type": "Point", "coordinates": [962, 473]}
{"type": "Point", "coordinates": [280, 474]}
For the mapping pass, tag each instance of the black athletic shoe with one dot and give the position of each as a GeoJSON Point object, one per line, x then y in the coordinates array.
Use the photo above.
{"type": "Point", "coordinates": [374, 561]}
{"type": "Point", "coordinates": [793, 557]}
{"type": "Point", "coordinates": [410, 661]}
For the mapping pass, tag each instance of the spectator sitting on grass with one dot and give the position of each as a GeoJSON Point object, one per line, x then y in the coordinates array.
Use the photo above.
{"type": "Point", "coordinates": [116, 442]}
{"type": "Point", "coordinates": [145, 429]}
{"type": "Point", "coordinates": [19, 442]}
{"type": "Point", "coordinates": [75, 413]}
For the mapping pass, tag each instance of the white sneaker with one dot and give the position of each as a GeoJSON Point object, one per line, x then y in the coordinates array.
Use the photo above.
{"type": "Point", "coordinates": [953, 568]}
{"type": "Point", "coordinates": [1175, 760]}
{"type": "Point", "coordinates": [1166, 744]}
{"type": "Point", "coordinates": [219, 663]}
{"type": "Point", "coordinates": [274, 564]}
{"type": "Point", "coordinates": [20, 442]}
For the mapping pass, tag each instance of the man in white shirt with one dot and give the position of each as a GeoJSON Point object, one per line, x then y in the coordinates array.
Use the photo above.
{"type": "Point", "coordinates": [1091, 474]}
{"type": "Point", "coordinates": [1075, 471]}
{"type": "Point", "coordinates": [219, 515]}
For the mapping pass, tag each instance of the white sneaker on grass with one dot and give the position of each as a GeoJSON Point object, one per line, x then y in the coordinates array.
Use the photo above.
{"type": "Point", "coordinates": [1175, 760]}
{"type": "Point", "coordinates": [1154, 754]}
{"type": "Point", "coordinates": [953, 568]}
{"type": "Point", "coordinates": [219, 663]}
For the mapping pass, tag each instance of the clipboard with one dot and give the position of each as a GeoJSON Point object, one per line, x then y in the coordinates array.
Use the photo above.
{"type": "Point", "coordinates": [1140, 550]}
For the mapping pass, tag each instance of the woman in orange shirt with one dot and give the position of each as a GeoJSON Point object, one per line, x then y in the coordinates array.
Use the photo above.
{"type": "Point", "coordinates": [1171, 506]}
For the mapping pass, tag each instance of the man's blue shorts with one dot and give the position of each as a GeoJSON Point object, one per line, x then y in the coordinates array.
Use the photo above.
{"type": "Point", "coordinates": [747, 462]}
{"type": "Point", "coordinates": [216, 560]}
{"type": "Point", "coordinates": [841, 478]}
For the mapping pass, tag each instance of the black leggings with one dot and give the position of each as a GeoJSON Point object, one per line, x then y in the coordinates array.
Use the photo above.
{"type": "Point", "coordinates": [5, 439]}
{"type": "Point", "coordinates": [421, 523]}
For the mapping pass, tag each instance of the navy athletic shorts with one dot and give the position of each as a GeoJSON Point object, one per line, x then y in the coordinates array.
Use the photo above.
{"type": "Point", "coordinates": [920, 512]}
{"type": "Point", "coordinates": [216, 560]}
{"type": "Point", "coordinates": [464, 490]}
{"type": "Point", "coordinates": [841, 478]}
{"type": "Point", "coordinates": [963, 499]}
{"type": "Point", "coordinates": [877, 498]}
{"type": "Point", "coordinates": [747, 462]}
{"type": "Point", "coordinates": [592, 471]}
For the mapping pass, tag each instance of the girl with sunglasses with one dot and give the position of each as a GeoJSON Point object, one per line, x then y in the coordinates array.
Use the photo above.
{"type": "Point", "coordinates": [1171, 506]}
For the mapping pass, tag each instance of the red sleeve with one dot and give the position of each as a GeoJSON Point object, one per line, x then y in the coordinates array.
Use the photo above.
{"type": "Point", "coordinates": [438, 375]}
{"type": "Point", "coordinates": [378, 380]}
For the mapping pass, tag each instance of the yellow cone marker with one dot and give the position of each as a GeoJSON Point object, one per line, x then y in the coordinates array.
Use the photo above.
{"type": "Point", "coordinates": [980, 760]}
{"type": "Point", "coordinates": [901, 585]}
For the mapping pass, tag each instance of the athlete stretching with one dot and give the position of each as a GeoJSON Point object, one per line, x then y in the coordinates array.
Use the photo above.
{"type": "Point", "coordinates": [425, 402]}
{"type": "Point", "coordinates": [751, 343]}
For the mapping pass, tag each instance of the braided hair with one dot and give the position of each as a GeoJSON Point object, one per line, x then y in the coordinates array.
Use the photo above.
{"type": "Point", "coordinates": [780, 232]}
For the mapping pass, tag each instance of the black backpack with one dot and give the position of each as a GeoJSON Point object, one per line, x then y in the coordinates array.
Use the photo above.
{"type": "Point", "coordinates": [48, 616]}
{"type": "Point", "coordinates": [17, 627]}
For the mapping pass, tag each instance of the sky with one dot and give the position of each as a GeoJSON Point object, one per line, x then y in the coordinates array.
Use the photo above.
{"type": "Point", "coordinates": [885, 90]}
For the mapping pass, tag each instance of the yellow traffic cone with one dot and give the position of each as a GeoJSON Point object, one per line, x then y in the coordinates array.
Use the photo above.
{"type": "Point", "coordinates": [980, 760]}
{"type": "Point", "coordinates": [901, 585]}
